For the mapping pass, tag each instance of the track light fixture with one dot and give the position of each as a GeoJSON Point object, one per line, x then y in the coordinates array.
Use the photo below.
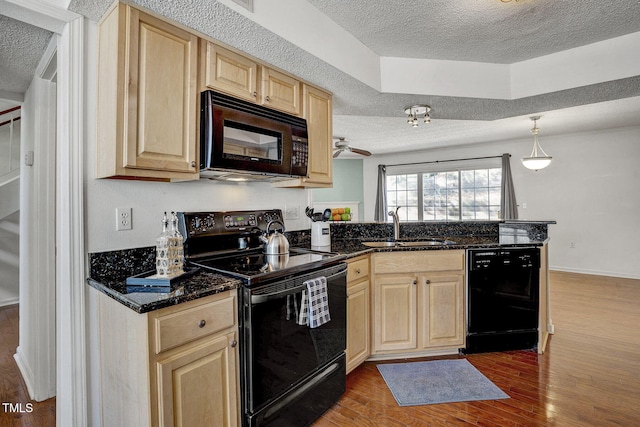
{"type": "Point", "coordinates": [417, 110]}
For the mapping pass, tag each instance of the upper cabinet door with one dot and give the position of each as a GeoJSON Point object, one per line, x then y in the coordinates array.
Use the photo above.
{"type": "Point", "coordinates": [161, 128]}
{"type": "Point", "coordinates": [318, 112]}
{"type": "Point", "coordinates": [280, 91]}
{"type": "Point", "coordinates": [228, 72]}
{"type": "Point", "coordinates": [147, 98]}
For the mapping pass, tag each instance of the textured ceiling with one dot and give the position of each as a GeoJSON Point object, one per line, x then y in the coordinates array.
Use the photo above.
{"type": "Point", "coordinates": [21, 47]}
{"type": "Point", "coordinates": [481, 30]}
{"type": "Point", "coordinates": [470, 30]}
{"type": "Point", "coordinates": [386, 134]}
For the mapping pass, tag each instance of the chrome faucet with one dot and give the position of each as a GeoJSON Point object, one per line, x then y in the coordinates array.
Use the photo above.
{"type": "Point", "coordinates": [396, 223]}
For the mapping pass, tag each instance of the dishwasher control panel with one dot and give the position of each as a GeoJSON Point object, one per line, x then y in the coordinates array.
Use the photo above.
{"type": "Point", "coordinates": [500, 258]}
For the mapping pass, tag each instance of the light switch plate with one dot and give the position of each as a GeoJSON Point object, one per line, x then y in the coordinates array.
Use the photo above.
{"type": "Point", "coordinates": [123, 219]}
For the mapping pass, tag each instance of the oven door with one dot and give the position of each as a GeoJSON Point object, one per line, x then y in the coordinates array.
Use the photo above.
{"type": "Point", "coordinates": [278, 352]}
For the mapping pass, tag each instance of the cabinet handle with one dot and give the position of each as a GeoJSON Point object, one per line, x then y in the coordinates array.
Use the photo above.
{"type": "Point", "coordinates": [234, 343]}
{"type": "Point", "coordinates": [426, 282]}
{"type": "Point", "coordinates": [357, 271]}
{"type": "Point", "coordinates": [255, 94]}
{"type": "Point", "coordinates": [193, 164]}
{"type": "Point", "coordinates": [415, 282]}
{"type": "Point", "coordinates": [202, 323]}
{"type": "Point", "coordinates": [266, 98]}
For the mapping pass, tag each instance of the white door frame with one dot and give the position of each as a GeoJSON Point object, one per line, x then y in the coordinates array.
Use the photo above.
{"type": "Point", "coordinates": [70, 256]}
{"type": "Point", "coordinates": [71, 404]}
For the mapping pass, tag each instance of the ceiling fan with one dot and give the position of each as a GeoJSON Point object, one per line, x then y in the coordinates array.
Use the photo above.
{"type": "Point", "coordinates": [343, 145]}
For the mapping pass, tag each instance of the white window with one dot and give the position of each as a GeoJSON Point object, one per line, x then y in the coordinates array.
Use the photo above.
{"type": "Point", "coordinates": [446, 195]}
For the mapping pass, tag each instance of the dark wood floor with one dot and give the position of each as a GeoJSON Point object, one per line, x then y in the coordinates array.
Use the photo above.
{"type": "Point", "coordinates": [589, 376]}
{"type": "Point", "coordinates": [12, 388]}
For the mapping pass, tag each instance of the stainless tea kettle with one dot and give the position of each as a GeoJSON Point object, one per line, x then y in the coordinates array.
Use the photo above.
{"type": "Point", "coordinates": [275, 243]}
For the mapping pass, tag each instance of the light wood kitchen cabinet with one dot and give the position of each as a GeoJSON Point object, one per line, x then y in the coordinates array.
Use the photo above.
{"type": "Point", "coordinates": [196, 386]}
{"type": "Point", "coordinates": [358, 318]}
{"type": "Point", "coordinates": [317, 110]}
{"type": "Point", "coordinates": [280, 91]}
{"type": "Point", "coordinates": [229, 72]}
{"type": "Point", "coordinates": [418, 301]}
{"type": "Point", "coordinates": [395, 312]}
{"type": "Point", "coordinates": [443, 310]}
{"type": "Point", "coordinates": [240, 76]}
{"type": "Point", "coordinates": [147, 98]}
{"type": "Point", "coordinates": [545, 325]}
{"type": "Point", "coordinates": [176, 366]}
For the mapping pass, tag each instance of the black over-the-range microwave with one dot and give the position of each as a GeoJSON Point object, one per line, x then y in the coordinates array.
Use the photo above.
{"type": "Point", "coordinates": [240, 140]}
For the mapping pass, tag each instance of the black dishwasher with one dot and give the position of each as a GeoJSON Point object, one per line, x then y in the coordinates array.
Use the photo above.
{"type": "Point", "coordinates": [502, 299]}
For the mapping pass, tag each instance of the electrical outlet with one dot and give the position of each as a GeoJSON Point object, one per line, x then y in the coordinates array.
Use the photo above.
{"type": "Point", "coordinates": [292, 212]}
{"type": "Point", "coordinates": [123, 219]}
{"type": "Point", "coordinates": [524, 206]}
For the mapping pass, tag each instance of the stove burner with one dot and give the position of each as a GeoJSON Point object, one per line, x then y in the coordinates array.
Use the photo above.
{"type": "Point", "coordinates": [227, 242]}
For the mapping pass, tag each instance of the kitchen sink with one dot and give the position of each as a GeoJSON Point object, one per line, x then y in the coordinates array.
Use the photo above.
{"type": "Point", "coordinates": [381, 244]}
{"type": "Point", "coordinates": [413, 243]}
{"type": "Point", "coordinates": [431, 242]}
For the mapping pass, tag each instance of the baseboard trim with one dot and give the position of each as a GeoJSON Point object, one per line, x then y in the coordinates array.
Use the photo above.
{"type": "Point", "coordinates": [9, 301]}
{"type": "Point", "coordinates": [594, 272]}
{"type": "Point", "coordinates": [25, 371]}
{"type": "Point", "coordinates": [414, 354]}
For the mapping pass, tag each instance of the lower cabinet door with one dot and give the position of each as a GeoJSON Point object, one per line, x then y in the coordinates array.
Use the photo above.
{"type": "Point", "coordinates": [395, 306]}
{"type": "Point", "coordinates": [358, 348]}
{"type": "Point", "coordinates": [443, 310]}
{"type": "Point", "coordinates": [197, 384]}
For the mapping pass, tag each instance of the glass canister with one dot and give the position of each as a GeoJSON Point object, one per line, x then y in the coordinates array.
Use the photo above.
{"type": "Point", "coordinates": [176, 247]}
{"type": "Point", "coordinates": [162, 249]}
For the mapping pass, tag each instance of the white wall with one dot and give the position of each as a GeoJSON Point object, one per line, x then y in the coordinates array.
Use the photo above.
{"type": "Point", "coordinates": [150, 199]}
{"type": "Point", "coordinates": [590, 189]}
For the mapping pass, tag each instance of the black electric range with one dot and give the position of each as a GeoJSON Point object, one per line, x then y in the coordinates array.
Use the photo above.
{"type": "Point", "coordinates": [290, 372]}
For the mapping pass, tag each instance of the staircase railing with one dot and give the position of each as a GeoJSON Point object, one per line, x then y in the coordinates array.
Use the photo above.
{"type": "Point", "coordinates": [9, 161]}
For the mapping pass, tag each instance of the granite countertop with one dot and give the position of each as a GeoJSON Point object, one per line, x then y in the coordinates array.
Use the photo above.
{"type": "Point", "coordinates": [347, 238]}
{"type": "Point", "coordinates": [109, 272]}
{"type": "Point", "coordinates": [352, 248]}
{"type": "Point", "coordinates": [201, 284]}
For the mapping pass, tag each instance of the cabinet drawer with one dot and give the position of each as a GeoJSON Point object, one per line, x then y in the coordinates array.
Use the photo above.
{"type": "Point", "coordinates": [412, 262]}
{"type": "Point", "coordinates": [183, 326]}
{"type": "Point", "coordinates": [357, 269]}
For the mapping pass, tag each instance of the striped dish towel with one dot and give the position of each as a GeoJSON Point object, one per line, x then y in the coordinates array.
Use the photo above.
{"type": "Point", "coordinates": [314, 310]}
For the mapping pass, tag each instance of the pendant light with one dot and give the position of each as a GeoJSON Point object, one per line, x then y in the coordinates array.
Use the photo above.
{"type": "Point", "coordinates": [538, 159]}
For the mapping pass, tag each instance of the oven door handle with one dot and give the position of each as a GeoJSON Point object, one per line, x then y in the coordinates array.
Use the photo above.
{"type": "Point", "coordinates": [260, 299]}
